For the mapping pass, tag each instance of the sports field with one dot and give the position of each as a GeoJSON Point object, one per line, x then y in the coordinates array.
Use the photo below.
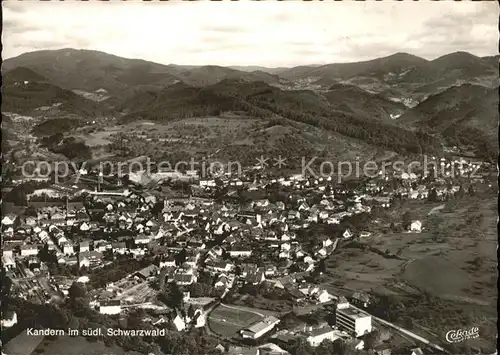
{"type": "Point", "coordinates": [227, 320]}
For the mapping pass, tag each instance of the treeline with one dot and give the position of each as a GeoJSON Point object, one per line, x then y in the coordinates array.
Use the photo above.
{"type": "Point", "coordinates": [56, 125]}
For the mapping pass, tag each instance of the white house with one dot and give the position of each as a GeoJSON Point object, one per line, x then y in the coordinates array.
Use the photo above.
{"type": "Point", "coordinates": [416, 226]}
{"type": "Point", "coordinates": [323, 296]}
{"type": "Point", "coordinates": [179, 323]}
{"type": "Point", "coordinates": [240, 252]}
{"type": "Point", "coordinates": [8, 250]}
{"type": "Point", "coordinates": [169, 262]}
{"type": "Point", "coordinates": [68, 248]}
{"type": "Point", "coordinates": [347, 234]}
{"type": "Point", "coordinates": [200, 317]}
{"type": "Point", "coordinates": [83, 262]}
{"type": "Point", "coordinates": [9, 220]}
{"type": "Point", "coordinates": [110, 307]}
{"type": "Point", "coordinates": [84, 227]}
{"type": "Point", "coordinates": [9, 319]}
{"type": "Point", "coordinates": [28, 250]}
{"type": "Point", "coordinates": [317, 336]}
{"type": "Point", "coordinates": [8, 262]}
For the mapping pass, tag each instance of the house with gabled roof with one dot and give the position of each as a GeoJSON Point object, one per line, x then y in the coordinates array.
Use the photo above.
{"type": "Point", "coordinates": [184, 279]}
{"type": "Point", "coordinates": [256, 278]}
{"type": "Point", "coordinates": [29, 249]}
{"type": "Point", "coordinates": [240, 251]}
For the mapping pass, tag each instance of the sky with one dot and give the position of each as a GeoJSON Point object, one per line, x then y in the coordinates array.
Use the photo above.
{"type": "Point", "coordinates": [266, 33]}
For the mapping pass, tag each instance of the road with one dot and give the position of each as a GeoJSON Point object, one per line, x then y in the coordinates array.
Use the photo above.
{"type": "Point", "coordinates": [244, 309]}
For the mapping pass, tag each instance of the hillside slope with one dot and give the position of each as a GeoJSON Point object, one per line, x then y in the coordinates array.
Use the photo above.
{"type": "Point", "coordinates": [350, 98]}
{"type": "Point", "coordinates": [262, 100]}
{"type": "Point", "coordinates": [463, 115]}
{"type": "Point", "coordinates": [37, 98]}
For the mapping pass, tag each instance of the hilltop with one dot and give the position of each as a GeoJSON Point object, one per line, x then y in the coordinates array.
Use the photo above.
{"type": "Point", "coordinates": [93, 70]}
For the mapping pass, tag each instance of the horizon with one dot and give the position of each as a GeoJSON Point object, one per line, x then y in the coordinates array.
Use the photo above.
{"type": "Point", "coordinates": [249, 65]}
{"type": "Point", "coordinates": [257, 34]}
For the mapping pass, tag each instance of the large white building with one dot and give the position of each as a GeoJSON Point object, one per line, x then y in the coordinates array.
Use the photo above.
{"type": "Point", "coordinates": [260, 328]}
{"type": "Point", "coordinates": [110, 307]}
{"type": "Point", "coordinates": [354, 321]}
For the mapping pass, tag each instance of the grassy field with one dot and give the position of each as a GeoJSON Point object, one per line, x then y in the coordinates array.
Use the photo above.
{"type": "Point", "coordinates": [228, 320]}
{"type": "Point", "coordinates": [66, 345]}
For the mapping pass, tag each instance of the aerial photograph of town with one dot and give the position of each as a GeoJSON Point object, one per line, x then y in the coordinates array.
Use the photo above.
{"type": "Point", "coordinates": [249, 178]}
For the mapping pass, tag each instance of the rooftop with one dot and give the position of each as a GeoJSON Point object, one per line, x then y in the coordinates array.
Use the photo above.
{"type": "Point", "coordinates": [352, 312]}
{"type": "Point", "coordinates": [321, 331]}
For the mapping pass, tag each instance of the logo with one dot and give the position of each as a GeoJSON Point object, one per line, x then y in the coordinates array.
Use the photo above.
{"type": "Point", "coordinates": [460, 335]}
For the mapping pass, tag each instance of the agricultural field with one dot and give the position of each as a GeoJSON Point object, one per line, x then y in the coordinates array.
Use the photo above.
{"type": "Point", "coordinates": [227, 320]}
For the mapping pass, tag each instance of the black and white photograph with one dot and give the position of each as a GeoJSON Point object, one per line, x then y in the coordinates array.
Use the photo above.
{"type": "Point", "coordinates": [249, 177]}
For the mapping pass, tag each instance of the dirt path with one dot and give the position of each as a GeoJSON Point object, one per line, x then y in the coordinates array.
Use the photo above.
{"type": "Point", "coordinates": [435, 210]}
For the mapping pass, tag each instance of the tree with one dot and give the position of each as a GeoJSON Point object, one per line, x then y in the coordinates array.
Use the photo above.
{"type": "Point", "coordinates": [190, 311]}
{"type": "Point", "coordinates": [78, 299]}
{"type": "Point", "coordinates": [322, 266]}
{"type": "Point", "coordinates": [77, 290]}
{"type": "Point", "coordinates": [433, 196]}
{"type": "Point", "coordinates": [6, 286]}
{"type": "Point", "coordinates": [370, 340]}
{"type": "Point", "coordinates": [173, 296]}
{"type": "Point", "coordinates": [325, 348]}
{"type": "Point", "coordinates": [301, 347]}
{"type": "Point", "coordinates": [180, 258]}
{"type": "Point", "coordinates": [407, 219]}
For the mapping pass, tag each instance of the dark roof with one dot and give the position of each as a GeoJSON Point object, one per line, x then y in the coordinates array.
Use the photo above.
{"type": "Point", "coordinates": [321, 331]}
{"type": "Point", "coordinates": [183, 277]}
{"type": "Point", "coordinates": [146, 272]}
{"type": "Point", "coordinates": [110, 303]}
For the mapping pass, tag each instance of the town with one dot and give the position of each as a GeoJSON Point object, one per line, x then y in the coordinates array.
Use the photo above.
{"type": "Point", "coordinates": [239, 259]}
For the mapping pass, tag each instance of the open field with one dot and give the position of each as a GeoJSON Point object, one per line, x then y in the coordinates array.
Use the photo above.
{"type": "Point", "coordinates": [228, 320]}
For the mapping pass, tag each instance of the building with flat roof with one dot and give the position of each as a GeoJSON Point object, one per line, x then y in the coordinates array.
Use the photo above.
{"type": "Point", "coordinates": [354, 321]}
